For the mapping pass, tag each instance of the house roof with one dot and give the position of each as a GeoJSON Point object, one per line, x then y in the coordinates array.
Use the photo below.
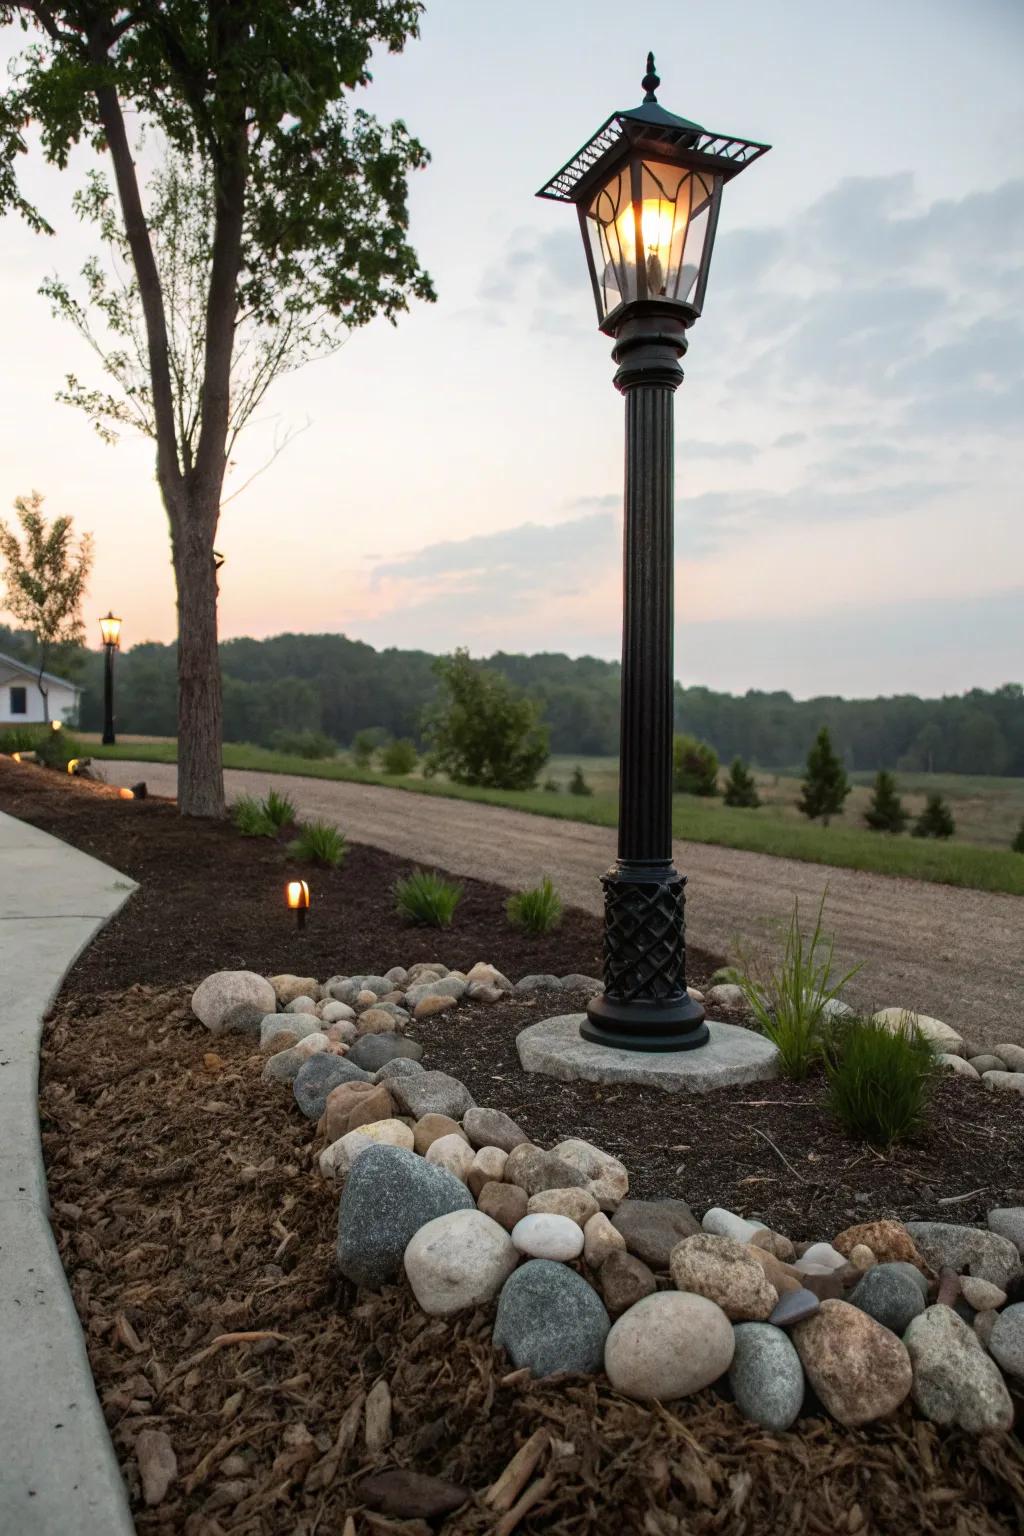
{"type": "Point", "coordinates": [23, 670]}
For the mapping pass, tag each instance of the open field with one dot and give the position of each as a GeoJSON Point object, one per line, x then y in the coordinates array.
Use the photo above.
{"type": "Point", "coordinates": [990, 809]}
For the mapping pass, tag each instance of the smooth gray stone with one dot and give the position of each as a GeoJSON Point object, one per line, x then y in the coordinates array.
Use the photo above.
{"type": "Point", "coordinates": [652, 1228]}
{"type": "Point", "coordinates": [1006, 1341]}
{"type": "Point", "coordinates": [577, 982]}
{"type": "Point", "coordinates": [766, 1376]}
{"type": "Point", "coordinates": [955, 1382]}
{"type": "Point", "coordinates": [1008, 1221]}
{"type": "Point", "coordinates": [371, 1051]}
{"type": "Point", "coordinates": [432, 1093]}
{"type": "Point", "coordinates": [912, 1273]}
{"type": "Point", "coordinates": [891, 1297]}
{"type": "Point", "coordinates": [318, 1075]}
{"type": "Point", "coordinates": [492, 1128]}
{"type": "Point", "coordinates": [398, 1066]}
{"type": "Point", "coordinates": [550, 1320]}
{"type": "Point", "coordinates": [732, 1056]}
{"type": "Point", "coordinates": [968, 1251]}
{"type": "Point", "coordinates": [539, 983]}
{"type": "Point", "coordinates": [389, 1194]}
{"type": "Point", "coordinates": [793, 1307]}
{"type": "Point", "coordinates": [444, 986]}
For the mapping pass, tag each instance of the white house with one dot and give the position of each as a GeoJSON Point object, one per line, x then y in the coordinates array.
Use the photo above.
{"type": "Point", "coordinates": [21, 702]}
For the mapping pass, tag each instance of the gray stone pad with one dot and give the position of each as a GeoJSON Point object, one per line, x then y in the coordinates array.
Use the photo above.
{"type": "Point", "coordinates": [732, 1055]}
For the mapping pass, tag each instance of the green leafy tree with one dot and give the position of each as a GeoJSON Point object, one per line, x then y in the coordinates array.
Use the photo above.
{"type": "Point", "coordinates": [1018, 843]}
{"type": "Point", "coordinates": [365, 744]}
{"type": "Point", "coordinates": [694, 767]}
{"type": "Point", "coordinates": [885, 811]}
{"type": "Point", "coordinates": [399, 757]}
{"type": "Point", "coordinates": [279, 224]}
{"type": "Point", "coordinates": [936, 820]}
{"type": "Point", "coordinates": [740, 789]}
{"type": "Point", "coordinates": [825, 786]}
{"type": "Point", "coordinates": [483, 730]}
{"type": "Point", "coordinates": [45, 573]}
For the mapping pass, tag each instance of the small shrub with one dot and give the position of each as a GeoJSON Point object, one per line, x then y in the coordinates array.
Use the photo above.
{"type": "Point", "coordinates": [578, 784]}
{"type": "Point", "coordinates": [427, 897]}
{"type": "Point", "coordinates": [365, 744]}
{"type": "Point", "coordinates": [788, 1002]}
{"type": "Point", "coordinates": [552, 787]}
{"type": "Point", "coordinates": [536, 911]}
{"type": "Point", "coordinates": [309, 744]}
{"type": "Point", "coordinates": [694, 767]}
{"type": "Point", "coordinates": [936, 820]}
{"type": "Point", "coordinates": [279, 810]}
{"type": "Point", "coordinates": [318, 842]}
{"type": "Point", "coordinates": [399, 757]}
{"type": "Point", "coordinates": [726, 974]}
{"type": "Point", "coordinates": [54, 749]}
{"type": "Point", "coordinates": [1018, 843]}
{"type": "Point", "coordinates": [879, 1080]}
{"type": "Point", "coordinates": [885, 812]}
{"type": "Point", "coordinates": [740, 789]}
{"type": "Point", "coordinates": [250, 817]}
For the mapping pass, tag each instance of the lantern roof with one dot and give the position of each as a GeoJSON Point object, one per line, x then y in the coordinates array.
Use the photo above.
{"type": "Point", "coordinates": [656, 127]}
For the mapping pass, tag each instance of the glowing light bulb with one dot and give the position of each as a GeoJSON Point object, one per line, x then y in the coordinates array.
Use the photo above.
{"type": "Point", "coordinates": [297, 896]}
{"type": "Point", "coordinates": [659, 230]}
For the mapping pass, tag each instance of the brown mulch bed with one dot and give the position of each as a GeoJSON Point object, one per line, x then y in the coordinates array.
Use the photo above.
{"type": "Point", "coordinates": [187, 1207]}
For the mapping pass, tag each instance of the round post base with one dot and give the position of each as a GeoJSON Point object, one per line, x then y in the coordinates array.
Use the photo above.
{"type": "Point", "coordinates": [675, 1024]}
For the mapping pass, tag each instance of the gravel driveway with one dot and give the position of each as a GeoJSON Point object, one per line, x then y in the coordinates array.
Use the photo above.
{"type": "Point", "coordinates": [956, 954]}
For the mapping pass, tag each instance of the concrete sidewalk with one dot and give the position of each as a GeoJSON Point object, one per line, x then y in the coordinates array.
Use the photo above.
{"type": "Point", "coordinates": [58, 1472]}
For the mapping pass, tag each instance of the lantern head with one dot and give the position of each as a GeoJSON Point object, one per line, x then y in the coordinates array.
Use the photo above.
{"type": "Point", "coordinates": [647, 187]}
{"type": "Point", "coordinates": [296, 895]}
{"type": "Point", "coordinates": [110, 629]}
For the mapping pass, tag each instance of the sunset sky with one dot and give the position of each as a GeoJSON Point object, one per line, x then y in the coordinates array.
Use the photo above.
{"type": "Point", "coordinates": [850, 451]}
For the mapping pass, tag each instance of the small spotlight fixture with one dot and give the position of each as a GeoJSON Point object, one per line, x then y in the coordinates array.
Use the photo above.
{"type": "Point", "coordinates": [56, 725]}
{"type": "Point", "coordinates": [16, 757]}
{"type": "Point", "coordinates": [127, 794]}
{"type": "Point", "coordinates": [73, 765]}
{"type": "Point", "coordinates": [297, 897]}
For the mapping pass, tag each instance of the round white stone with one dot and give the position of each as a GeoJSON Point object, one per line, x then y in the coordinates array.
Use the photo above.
{"type": "Point", "coordinates": [668, 1345]}
{"type": "Point", "coordinates": [546, 1236]}
{"type": "Point", "coordinates": [454, 1153]}
{"type": "Point", "coordinates": [458, 1261]}
{"type": "Point", "coordinates": [722, 1223]}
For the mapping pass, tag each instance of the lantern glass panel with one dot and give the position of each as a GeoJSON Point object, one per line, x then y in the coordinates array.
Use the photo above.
{"type": "Point", "coordinates": [647, 228]}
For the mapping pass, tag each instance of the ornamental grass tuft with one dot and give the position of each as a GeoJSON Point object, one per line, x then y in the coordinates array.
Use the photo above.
{"type": "Point", "coordinates": [426, 897]}
{"type": "Point", "coordinates": [790, 1000]}
{"type": "Point", "coordinates": [318, 842]}
{"type": "Point", "coordinates": [250, 817]}
{"type": "Point", "coordinates": [880, 1081]}
{"type": "Point", "coordinates": [279, 810]}
{"type": "Point", "coordinates": [536, 911]}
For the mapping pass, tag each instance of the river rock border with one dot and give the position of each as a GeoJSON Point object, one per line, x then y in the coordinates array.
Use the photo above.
{"type": "Point", "coordinates": [455, 1196]}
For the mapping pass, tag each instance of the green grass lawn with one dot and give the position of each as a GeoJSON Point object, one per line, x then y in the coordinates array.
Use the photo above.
{"type": "Point", "coordinates": [776, 828]}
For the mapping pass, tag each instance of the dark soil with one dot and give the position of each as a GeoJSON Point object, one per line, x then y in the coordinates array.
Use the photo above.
{"type": "Point", "coordinates": [198, 1240]}
{"type": "Point", "coordinates": [198, 1235]}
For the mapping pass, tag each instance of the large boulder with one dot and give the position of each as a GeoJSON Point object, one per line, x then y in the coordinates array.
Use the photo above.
{"type": "Point", "coordinates": [889, 1241]}
{"type": "Point", "coordinates": [550, 1320]}
{"type": "Point", "coordinates": [432, 1093]}
{"type": "Point", "coordinates": [389, 1194]}
{"type": "Point", "coordinates": [652, 1228]}
{"type": "Point", "coordinates": [371, 1052]}
{"type": "Point", "coordinates": [240, 993]}
{"type": "Point", "coordinates": [726, 1273]}
{"type": "Point", "coordinates": [607, 1179]}
{"type": "Point", "coordinates": [536, 1170]}
{"type": "Point", "coordinates": [939, 1035]}
{"type": "Point", "coordinates": [492, 1128]}
{"type": "Point", "coordinates": [458, 1261]}
{"type": "Point", "coordinates": [860, 1371]}
{"type": "Point", "coordinates": [955, 1382]}
{"type": "Point", "coordinates": [889, 1295]}
{"type": "Point", "coordinates": [1006, 1341]}
{"type": "Point", "coordinates": [667, 1346]}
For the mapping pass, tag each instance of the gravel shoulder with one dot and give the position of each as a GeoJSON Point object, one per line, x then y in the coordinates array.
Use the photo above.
{"type": "Point", "coordinates": [953, 953]}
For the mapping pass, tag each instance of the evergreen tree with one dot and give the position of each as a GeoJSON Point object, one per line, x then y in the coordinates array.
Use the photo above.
{"type": "Point", "coordinates": [936, 820]}
{"type": "Point", "coordinates": [578, 784]}
{"type": "Point", "coordinates": [826, 786]}
{"type": "Point", "coordinates": [1018, 843]}
{"type": "Point", "coordinates": [694, 767]}
{"type": "Point", "coordinates": [885, 812]}
{"type": "Point", "coordinates": [740, 788]}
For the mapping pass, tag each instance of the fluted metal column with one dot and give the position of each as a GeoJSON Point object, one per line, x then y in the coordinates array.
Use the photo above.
{"type": "Point", "coordinates": [108, 697]}
{"type": "Point", "coordinates": [645, 1005]}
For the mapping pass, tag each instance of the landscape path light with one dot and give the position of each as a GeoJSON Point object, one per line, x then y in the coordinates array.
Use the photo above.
{"type": "Point", "coordinates": [297, 897]}
{"type": "Point", "coordinates": [647, 187]}
{"type": "Point", "coordinates": [110, 629]}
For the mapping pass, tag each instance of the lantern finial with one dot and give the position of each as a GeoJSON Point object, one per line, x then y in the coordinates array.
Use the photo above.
{"type": "Point", "coordinates": [650, 81]}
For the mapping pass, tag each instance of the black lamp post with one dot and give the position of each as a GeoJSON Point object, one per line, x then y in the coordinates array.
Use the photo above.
{"type": "Point", "coordinates": [110, 629]}
{"type": "Point", "coordinates": [647, 187]}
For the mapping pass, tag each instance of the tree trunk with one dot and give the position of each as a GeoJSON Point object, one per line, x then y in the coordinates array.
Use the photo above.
{"type": "Point", "coordinates": [200, 770]}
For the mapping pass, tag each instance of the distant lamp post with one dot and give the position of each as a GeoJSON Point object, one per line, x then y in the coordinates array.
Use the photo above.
{"type": "Point", "coordinates": [647, 188]}
{"type": "Point", "coordinates": [297, 897]}
{"type": "Point", "coordinates": [110, 629]}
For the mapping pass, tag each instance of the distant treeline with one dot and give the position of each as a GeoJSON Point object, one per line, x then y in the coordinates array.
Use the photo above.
{"type": "Point", "coordinates": [293, 683]}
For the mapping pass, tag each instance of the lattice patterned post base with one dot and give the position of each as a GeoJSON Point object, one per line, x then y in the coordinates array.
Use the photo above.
{"type": "Point", "coordinates": [645, 1005]}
